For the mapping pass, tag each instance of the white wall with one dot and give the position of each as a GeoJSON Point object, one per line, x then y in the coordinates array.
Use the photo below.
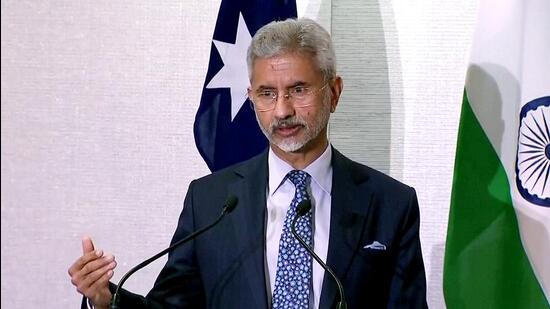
{"type": "Point", "coordinates": [98, 102]}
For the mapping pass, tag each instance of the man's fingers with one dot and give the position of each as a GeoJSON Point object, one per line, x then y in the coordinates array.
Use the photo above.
{"type": "Point", "coordinates": [87, 245]}
{"type": "Point", "coordinates": [103, 281]}
{"type": "Point", "coordinates": [90, 273]}
{"type": "Point", "coordinates": [88, 255]}
{"type": "Point", "coordinates": [89, 281]}
{"type": "Point", "coordinates": [84, 260]}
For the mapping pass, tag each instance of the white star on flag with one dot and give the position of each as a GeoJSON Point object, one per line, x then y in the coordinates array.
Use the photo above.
{"type": "Point", "coordinates": [234, 73]}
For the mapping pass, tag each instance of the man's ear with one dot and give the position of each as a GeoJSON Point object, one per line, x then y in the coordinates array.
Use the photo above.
{"type": "Point", "coordinates": [336, 89]}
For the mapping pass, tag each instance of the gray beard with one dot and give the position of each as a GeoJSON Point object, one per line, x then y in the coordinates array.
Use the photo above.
{"type": "Point", "coordinates": [293, 144]}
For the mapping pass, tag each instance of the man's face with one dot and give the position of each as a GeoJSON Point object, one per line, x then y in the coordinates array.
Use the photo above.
{"type": "Point", "coordinates": [287, 126]}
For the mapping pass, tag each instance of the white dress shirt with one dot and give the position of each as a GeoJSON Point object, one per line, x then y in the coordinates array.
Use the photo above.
{"type": "Point", "coordinates": [280, 193]}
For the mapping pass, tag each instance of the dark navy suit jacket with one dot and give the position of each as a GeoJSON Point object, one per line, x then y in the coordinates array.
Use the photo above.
{"type": "Point", "coordinates": [225, 267]}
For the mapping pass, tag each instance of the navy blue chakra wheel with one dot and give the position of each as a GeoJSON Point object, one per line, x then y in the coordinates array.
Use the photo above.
{"type": "Point", "coordinates": [533, 157]}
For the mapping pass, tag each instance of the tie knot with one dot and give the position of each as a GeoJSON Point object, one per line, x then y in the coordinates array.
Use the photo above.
{"type": "Point", "coordinates": [298, 177]}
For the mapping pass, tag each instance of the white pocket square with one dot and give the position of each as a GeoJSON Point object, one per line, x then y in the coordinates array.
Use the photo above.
{"type": "Point", "coordinates": [376, 246]}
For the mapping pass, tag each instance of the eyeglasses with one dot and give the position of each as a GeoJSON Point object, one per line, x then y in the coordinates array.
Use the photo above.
{"type": "Point", "coordinates": [300, 96]}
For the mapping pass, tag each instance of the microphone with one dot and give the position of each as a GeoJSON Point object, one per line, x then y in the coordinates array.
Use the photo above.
{"type": "Point", "coordinates": [230, 204]}
{"type": "Point", "coordinates": [302, 209]}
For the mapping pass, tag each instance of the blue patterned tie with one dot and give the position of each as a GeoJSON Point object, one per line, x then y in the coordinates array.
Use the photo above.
{"type": "Point", "coordinates": [293, 279]}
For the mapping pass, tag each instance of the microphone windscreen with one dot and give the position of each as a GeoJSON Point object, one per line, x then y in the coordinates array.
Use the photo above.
{"type": "Point", "coordinates": [231, 203]}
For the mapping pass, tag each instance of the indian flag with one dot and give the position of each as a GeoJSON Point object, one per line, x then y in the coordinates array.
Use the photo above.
{"type": "Point", "coordinates": [498, 242]}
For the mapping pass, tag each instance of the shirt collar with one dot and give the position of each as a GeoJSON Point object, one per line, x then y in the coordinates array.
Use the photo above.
{"type": "Point", "coordinates": [320, 171]}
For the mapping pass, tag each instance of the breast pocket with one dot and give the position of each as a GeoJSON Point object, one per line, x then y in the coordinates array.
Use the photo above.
{"type": "Point", "coordinates": [375, 262]}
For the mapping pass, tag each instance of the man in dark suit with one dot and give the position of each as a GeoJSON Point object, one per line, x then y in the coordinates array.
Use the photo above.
{"type": "Point", "coordinates": [364, 224]}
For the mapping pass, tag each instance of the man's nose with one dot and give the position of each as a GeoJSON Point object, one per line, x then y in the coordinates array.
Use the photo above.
{"type": "Point", "coordinates": [283, 106]}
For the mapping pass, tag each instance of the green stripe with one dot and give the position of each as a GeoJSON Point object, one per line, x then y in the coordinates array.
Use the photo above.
{"type": "Point", "coordinates": [485, 263]}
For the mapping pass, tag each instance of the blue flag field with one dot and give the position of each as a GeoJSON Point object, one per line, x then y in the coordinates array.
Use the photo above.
{"type": "Point", "coordinates": [225, 129]}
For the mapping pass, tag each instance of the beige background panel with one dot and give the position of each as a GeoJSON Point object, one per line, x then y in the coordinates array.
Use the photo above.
{"type": "Point", "coordinates": [98, 103]}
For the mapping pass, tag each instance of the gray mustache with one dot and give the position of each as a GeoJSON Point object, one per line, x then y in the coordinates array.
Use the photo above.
{"type": "Point", "coordinates": [287, 122]}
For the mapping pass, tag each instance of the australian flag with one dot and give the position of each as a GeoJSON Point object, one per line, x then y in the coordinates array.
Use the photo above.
{"type": "Point", "coordinates": [226, 131]}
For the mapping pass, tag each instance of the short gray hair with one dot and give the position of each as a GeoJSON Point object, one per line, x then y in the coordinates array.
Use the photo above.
{"type": "Point", "coordinates": [301, 35]}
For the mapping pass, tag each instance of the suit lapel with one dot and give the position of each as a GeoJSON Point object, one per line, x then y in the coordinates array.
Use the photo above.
{"type": "Point", "coordinates": [249, 223]}
{"type": "Point", "coordinates": [349, 207]}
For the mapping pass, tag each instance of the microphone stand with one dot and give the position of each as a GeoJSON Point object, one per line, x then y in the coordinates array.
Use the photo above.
{"type": "Point", "coordinates": [230, 204]}
{"type": "Point", "coordinates": [303, 208]}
